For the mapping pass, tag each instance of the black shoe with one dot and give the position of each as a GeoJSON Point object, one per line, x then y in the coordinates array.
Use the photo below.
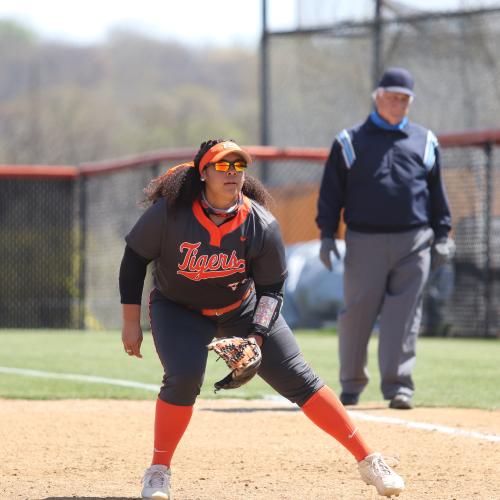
{"type": "Point", "coordinates": [349, 398]}
{"type": "Point", "coordinates": [401, 402]}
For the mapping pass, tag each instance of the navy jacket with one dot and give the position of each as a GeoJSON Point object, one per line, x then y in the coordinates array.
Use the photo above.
{"type": "Point", "coordinates": [387, 181]}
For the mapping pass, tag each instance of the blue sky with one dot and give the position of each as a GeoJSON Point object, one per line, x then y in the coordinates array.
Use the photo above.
{"type": "Point", "coordinates": [198, 22]}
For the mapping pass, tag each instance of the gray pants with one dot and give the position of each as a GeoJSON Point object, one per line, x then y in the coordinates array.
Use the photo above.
{"type": "Point", "coordinates": [384, 277]}
{"type": "Point", "coordinates": [181, 336]}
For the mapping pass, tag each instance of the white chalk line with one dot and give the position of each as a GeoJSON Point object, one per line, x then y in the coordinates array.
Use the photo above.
{"type": "Point", "coordinates": [79, 378]}
{"type": "Point", "coordinates": [357, 415]}
{"type": "Point", "coordinates": [444, 429]}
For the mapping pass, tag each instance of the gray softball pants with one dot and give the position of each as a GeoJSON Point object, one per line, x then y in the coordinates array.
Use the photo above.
{"type": "Point", "coordinates": [181, 336]}
{"type": "Point", "coordinates": [384, 276]}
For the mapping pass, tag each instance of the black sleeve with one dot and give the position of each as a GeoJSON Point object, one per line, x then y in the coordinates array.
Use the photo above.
{"type": "Point", "coordinates": [332, 192]}
{"type": "Point", "coordinates": [440, 209]}
{"type": "Point", "coordinates": [132, 274]}
{"type": "Point", "coordinates": [276, 288]}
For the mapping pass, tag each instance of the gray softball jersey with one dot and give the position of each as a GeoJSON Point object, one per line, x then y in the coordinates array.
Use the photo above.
{"type": "Point", "coordinates": [204, 266]}
{"type": "Point", "coordinates": [200, 266]}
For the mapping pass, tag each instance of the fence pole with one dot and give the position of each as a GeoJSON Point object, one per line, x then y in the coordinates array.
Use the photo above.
{"type": "Point", "coordinates": [377, 44]}
{"type": "Point", "coordinates": [82, 223]}
{"type": "Point", "coordinates": [488, 149]}
{"type": "Point", "coordinates": [264, 90]}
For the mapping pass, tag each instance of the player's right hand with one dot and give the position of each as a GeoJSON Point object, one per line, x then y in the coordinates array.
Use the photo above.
{"type": "Point", "coordinates": [132, 338]}
{"type": "Point", "coordinates": [328, 245]}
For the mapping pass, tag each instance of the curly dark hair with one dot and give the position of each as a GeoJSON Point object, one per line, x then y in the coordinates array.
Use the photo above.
{"type": "Point", "coordinates": [183, 185]}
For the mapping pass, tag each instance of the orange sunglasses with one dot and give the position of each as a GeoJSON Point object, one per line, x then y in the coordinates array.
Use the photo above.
{"type": "Point", "coordinates": [224, 166]}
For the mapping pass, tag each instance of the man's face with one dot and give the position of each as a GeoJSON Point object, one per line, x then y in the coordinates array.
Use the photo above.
{"type": "Point", "coordinates": [392, 106]}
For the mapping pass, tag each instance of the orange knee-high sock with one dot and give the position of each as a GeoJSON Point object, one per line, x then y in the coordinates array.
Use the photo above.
{"type": "Point", "coordinates": [328, 413]}
{"type": "Point", "coordinates": [170, 423]}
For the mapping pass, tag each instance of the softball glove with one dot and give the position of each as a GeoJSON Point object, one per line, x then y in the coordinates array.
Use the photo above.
{"type": "Point", "coordinates": [242, 356]}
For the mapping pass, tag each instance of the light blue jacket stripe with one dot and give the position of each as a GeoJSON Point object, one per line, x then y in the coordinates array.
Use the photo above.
{"type": "Point", "coordinates": [430, 151]}
{"type": "Point", "coordinates": [347, 150]}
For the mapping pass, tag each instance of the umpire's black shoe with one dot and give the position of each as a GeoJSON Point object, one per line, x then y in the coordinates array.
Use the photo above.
{"type": "Point", "coordinates": [349, 398]}
{"type": "Point", "coordinates": [401, 402]}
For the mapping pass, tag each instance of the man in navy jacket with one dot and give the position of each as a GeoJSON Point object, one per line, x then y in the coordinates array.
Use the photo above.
{"type": "Point", "coordinates": [386, 176]}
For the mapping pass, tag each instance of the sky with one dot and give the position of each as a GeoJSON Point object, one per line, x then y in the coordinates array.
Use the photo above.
{"type": "Point", "coordinates": [195, 22]}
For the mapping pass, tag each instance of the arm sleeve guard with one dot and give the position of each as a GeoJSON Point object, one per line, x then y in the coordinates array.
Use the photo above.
{"type": "Point", "coordinates": [266, 313]}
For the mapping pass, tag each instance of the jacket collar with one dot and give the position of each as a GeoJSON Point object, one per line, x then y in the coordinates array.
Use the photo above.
{"type": "Point", "coordinates": [376, 122]}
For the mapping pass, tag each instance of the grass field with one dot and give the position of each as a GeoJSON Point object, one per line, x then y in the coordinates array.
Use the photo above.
{"type": "Point", "coordinates": [449, 372]}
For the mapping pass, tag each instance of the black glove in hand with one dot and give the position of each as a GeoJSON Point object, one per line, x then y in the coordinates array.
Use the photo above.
{"type": "Point", "coordinates": [443, 250]}
{"type": "Point", "coordinates": [328, 245]}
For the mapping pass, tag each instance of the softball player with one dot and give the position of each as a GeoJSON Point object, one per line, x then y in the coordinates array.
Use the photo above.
{"type": "Point", "coordinates": [219, 269]}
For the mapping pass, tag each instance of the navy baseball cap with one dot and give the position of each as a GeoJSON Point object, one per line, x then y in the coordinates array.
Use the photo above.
{"type": "Point", "coordinates": [397, 80]}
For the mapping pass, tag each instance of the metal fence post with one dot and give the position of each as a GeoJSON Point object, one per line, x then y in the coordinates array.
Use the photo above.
{"type": "Point", "coordinates": [82, 254]}
{"type": "Point", "coordinates": [377, 44]}
{"type": "Point", "coordinates": [488, 149]}
{"type": "Point", "coordinates": [264, 90]}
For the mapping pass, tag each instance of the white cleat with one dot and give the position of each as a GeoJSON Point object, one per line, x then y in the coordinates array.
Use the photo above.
{"type": "Point", "coordinates": [156, 483]}
{"type": "Point", "coordinates": [375, 472]}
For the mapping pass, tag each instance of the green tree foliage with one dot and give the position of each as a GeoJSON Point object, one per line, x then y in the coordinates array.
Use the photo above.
{"type": "Point", "coordinates": [15, 33]}
{"type": "Point", "coordinates": [64, 104]}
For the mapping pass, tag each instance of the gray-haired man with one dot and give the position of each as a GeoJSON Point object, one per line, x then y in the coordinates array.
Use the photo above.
{"type": "Point", "coordinates": [386, 175]}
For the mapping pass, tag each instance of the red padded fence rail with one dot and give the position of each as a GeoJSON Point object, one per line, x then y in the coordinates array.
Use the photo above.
{"type": "Point", "coordinates": [39, 171]}
{"type": "Point", "coordinates": [471, 138]}
{"type": "Point", "coordinates": [175, 155]}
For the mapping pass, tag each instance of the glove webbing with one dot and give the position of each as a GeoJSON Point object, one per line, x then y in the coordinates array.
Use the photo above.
{"type": "Point", "coordinates": [233, 355]}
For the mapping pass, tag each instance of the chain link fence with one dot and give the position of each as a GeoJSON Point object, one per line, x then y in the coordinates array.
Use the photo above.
{"type": "Point", "coordinates": [62, 238]}
{"type": "Point", "coordinates": [62, 234]}
{"type": "Point", "coordinates": [319, 78]}
{"type": "Point", "coordinates": [39, 260]}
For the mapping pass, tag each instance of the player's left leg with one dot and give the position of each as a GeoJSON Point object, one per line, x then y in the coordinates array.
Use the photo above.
{"type": "Point", "coordinates": [285, 369]}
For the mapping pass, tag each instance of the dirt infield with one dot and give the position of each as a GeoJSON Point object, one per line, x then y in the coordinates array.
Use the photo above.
{"type": "Point", "coordinates": [55, 450]}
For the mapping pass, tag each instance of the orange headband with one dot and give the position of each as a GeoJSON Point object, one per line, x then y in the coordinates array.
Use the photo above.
{"type": "Point", "coordinates": [221, 150]}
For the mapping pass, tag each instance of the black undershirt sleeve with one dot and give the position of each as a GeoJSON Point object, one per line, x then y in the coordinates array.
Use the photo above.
{"type": "Point", "coordinates": [276, 288]}
{"type": "Point", "coordinates": [132, 275]}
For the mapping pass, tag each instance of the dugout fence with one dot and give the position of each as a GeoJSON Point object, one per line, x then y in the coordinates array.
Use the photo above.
{"type": "Point", "coordinates": [317, 77]}
{"type": "Point", "coordinates": [62, 232]}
